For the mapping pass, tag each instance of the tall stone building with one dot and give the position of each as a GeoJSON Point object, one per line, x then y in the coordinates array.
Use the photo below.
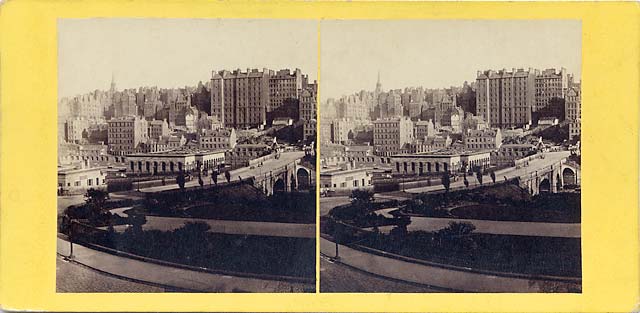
{"type": "Point", "coordinates": [285, 85]}
{"type": "Point", "coordinates": [505, 99]}
{"type": "Point", "coordinates": [550, 84]}
{"type": "Point", "coordinates": [390, 104]}
{"type": "Point", "coordinates": [572, 110]}
{"type": "Point", "coordinates": [391, 134]}
{"type": "Point", "coordinates": [307, 102]}
{"type": "Point", "coordinates": [240, 99]}
{"type": "Point", "coordinates": [124, 134]}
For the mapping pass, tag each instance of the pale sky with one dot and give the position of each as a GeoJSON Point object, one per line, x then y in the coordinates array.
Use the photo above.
{"type": "Point", "coordinates": [177, 52]}
{"type": "Point", "coordinates": [439, 53]}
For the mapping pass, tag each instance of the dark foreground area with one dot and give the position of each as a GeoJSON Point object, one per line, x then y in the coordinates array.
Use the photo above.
{"type": "Point", "coordinates": [193, 245]}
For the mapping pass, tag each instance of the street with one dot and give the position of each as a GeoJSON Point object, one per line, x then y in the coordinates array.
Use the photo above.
{"type": "Point", "coordinates": [511, 172]}
{"type": "Point", "coordinates": [286, 158]}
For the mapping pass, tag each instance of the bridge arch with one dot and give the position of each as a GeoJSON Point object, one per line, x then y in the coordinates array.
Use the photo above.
{"type": "Point", "coordinates": [569, 177]}
{"type": "Point", "coordinates": [544, 186]}
{"type": "Point", "coordinates": [279, 186]}
{"type": "Point", "coordinates": [303, 177]}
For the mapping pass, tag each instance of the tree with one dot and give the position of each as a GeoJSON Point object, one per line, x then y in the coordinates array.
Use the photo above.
{"type": "Point", "coordinates": [200, 181]}
{"type": "Point", "coordinates": [466, 182]}
{"type": "Point", "coordinates": [136, 221]}
{"type": "Point", "coordinates": [227, 175]}
{"type": "Point", "coordinates": [558, 183]}
{"type": "Point", "coordinates": [180, 180]}
{"type": "Point", "coordinates": [96, 197]}
{"type": "Point", "coordinates": [214, 177]}
{"type": "Point", "coordinates": [457, 236]}
{"type": "Point", "coordinates": [361, 198]}
{"type": "Point", "coordinates": [95, 200]}
{"type": "Point", "coordinates": [446, 181]}
{"type": "Point", "coordinates": [493, 176]}
{"type": "Point", "coordinates": [479, 175]}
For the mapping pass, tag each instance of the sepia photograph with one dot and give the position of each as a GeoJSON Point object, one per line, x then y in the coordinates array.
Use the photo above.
{"type": "Point", "coordinates": [186, 155]}
{"type": "Point", "coordinates": [450, 156]}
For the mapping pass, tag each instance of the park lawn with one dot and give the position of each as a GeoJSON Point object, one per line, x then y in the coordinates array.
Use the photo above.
{"type": "Point", "coordinates": [195, 246]}
{"type": "Point", "coordinates": [502, 253]}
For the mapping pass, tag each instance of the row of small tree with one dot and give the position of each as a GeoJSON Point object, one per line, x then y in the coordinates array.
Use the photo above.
{"type": "Point", "coordinates": [181, 179]}
{"type": "Point", "coordinates": [446, 178]}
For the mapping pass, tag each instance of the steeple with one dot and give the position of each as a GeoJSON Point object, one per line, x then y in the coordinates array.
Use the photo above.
{"type": "Point", "coordinates": [378, 85]}
{"type": "Point", "coordinates": [113, 83]}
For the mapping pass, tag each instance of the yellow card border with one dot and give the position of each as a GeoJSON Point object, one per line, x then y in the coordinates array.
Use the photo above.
{"type": "Point", "coordinates": [610, 100]}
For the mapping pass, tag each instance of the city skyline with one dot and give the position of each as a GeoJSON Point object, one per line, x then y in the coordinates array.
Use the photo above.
{"type": "Point", "coordinates": [92, 51]}
{"type": "Point", "coordinates": [350, 47]}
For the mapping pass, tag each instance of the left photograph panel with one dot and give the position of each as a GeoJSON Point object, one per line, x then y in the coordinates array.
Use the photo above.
{"type": "Point", "coordinates": [186, 155]}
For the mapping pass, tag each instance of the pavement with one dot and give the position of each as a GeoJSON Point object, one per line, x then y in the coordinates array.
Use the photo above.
{"type": "Point", "coordinates": [431, 224]}
{"type": "Point", "coordinates": [74, 277]}
{"type": "Point", "coordinates": [286, 158]}
{"type": "Point", "coordinates": [439, 277]}
{"type": "Point", "coordinates": [338, 277]}
{"type": "Point", "coordinates": [163, 275]}
{"type": "Point", "coordinates": [551, 158]}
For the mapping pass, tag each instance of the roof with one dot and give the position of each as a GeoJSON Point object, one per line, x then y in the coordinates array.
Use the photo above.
{"type": "Point", "coordinates": [339, 171]}
{"type": "Point", "coordinates": [64, 171]}
{"type": "Point", "coordinates": [443, 153]}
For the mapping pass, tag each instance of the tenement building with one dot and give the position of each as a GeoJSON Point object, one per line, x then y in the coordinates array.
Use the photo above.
{"type": "Point", "coordinates": [125, 133]}
{"type": "Point", "coordinates": [217, 139]}
{"type": "Point", "coordinates": [572, 110]}
{"type": "Point", "coordinates": [391, 134]}
{"type": "Point", "coordinates": [550, 84]}
{"type": "Point", "coordinates": [285, 84]}
{"type": "Point", "coordinates": [240, 99]}
{"type": "Point", "coordinates": [505, 99]}
{"type": "Point", "coordinates": [307, 105]}
{"type": "Point", "coordinates": [486, 139]}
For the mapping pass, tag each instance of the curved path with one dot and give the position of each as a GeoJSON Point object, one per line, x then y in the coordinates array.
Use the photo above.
{"type": "Point", "coordinates": [173, 276]}
{"type": "Point", "coordinates": [566, 230]}
{"type": "Point", "coordinates": [225, 226]}
{"type": "Point", "coordinates": [452, 279]}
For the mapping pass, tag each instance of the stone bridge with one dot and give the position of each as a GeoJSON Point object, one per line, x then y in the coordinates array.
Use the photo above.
{"type": "Point", "coordinates": [555, 177]}
{"type": "Point", "coordinates": [291, 176]}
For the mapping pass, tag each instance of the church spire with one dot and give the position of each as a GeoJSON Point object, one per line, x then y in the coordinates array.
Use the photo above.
{"type": "Point", "coordinates": [378, 85]}
{"type": "Point", "coordinates": [113, 82]}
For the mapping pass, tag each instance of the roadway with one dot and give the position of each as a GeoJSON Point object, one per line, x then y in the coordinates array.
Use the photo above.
{"type": "Point", "coordinates": [286, 158]}
{"type": "Point", "coordinates": [550, 159]}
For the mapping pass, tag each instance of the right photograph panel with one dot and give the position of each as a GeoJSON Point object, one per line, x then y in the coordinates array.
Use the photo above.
{"type": "Point", "coordinates": [450, 156]}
